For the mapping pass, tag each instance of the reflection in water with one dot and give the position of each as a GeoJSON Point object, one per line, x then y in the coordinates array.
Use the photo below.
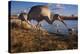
{"type": "Point", "coordinates": [59, 26]}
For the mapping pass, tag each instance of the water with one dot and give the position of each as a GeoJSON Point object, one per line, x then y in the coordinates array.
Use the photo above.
{"type": "Point", "coordinates": [57, 25]}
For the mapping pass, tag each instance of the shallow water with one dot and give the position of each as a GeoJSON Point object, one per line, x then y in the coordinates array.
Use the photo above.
{"type": "Point", "coordinates": [57, 25]}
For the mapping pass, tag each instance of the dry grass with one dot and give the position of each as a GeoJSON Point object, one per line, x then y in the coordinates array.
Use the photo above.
{"type": "Point", "coordinates": [31, 40]}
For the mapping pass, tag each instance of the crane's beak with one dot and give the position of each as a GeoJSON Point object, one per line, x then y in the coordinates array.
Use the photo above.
{"type": "Point", "coordinates": [59, 17]}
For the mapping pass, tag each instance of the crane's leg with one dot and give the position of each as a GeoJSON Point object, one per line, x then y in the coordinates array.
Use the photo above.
{"type": "Point", "coordinates": [37, 26]}
{"type": "Point", "coordinates": [57, 28]}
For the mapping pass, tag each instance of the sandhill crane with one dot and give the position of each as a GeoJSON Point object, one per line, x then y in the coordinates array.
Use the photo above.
{"type": "Point", "coordinates": [42, 12]}
{"type": "Point", "coordinates": [39, 13]}
{"type": "Point", "coordinates": [57, 17]}
{"type": "Point", "coordinates": [23, 17]}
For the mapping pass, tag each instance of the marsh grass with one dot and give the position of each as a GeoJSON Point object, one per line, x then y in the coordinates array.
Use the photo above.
{"type": "Point", "coordinates": [30, 40]}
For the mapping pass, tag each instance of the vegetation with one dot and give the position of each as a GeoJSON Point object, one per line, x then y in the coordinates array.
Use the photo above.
{"type": "Point", "coordinates": [28, 39]}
